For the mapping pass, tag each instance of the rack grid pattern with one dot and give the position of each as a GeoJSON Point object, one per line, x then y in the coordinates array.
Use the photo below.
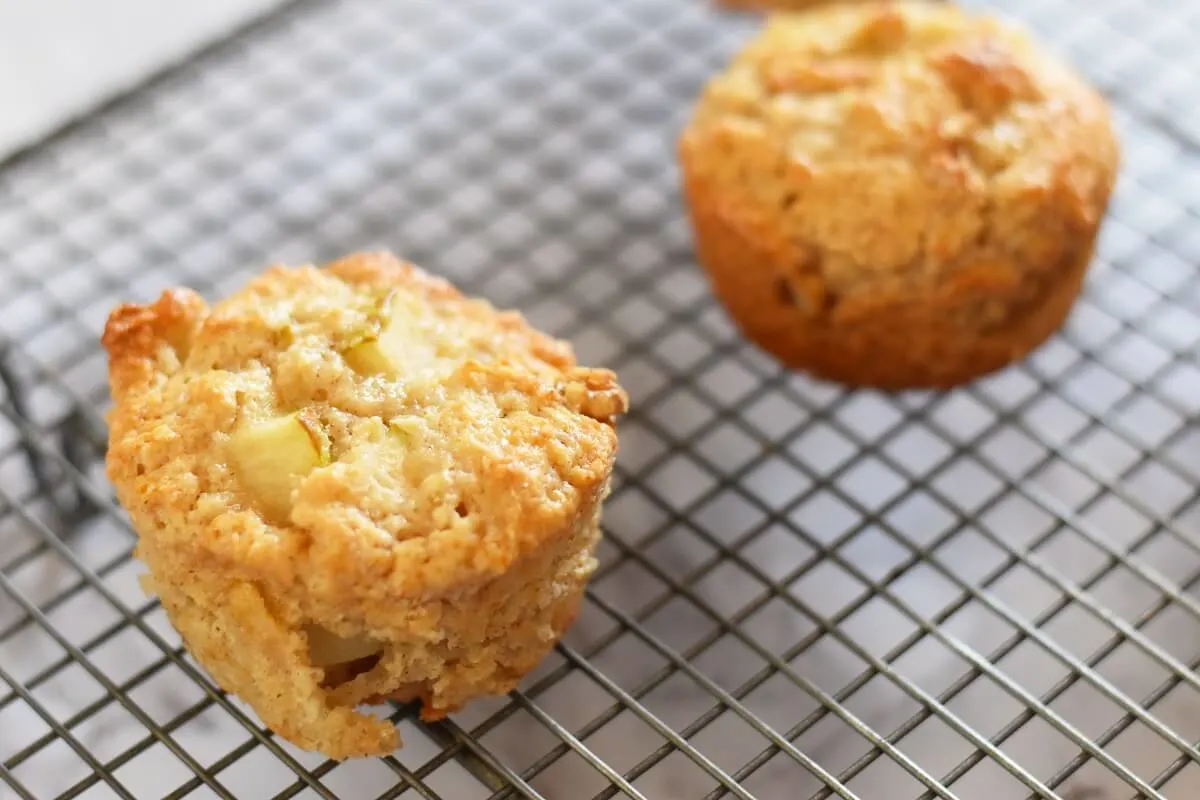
{"type": "Point", "coordinates": [804, 591]}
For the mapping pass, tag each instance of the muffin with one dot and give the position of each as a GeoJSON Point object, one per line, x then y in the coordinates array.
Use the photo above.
{"type": "Point", "coordinates": [897, 195]}
{"type": "Point", "coordinates": [352, 483]}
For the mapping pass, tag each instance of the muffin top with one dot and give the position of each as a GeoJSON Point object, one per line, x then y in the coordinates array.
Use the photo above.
{"type": "Point", "coordinates": [885, 147]}
{"type": "Point", "coordinates": [360, 430]}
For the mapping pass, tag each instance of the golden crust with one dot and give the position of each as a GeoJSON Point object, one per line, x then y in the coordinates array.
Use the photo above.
{"type": "Point", "coordinates": [463, 550]}
{"type": "Point", "coordinates": [897, 194]}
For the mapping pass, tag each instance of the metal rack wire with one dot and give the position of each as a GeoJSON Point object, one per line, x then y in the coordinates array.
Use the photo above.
{"type": "Point", "coordinates": [804, 591]}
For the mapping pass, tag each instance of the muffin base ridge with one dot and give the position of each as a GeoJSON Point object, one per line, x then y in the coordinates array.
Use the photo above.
{"type": "Point", "coordinates": [857, 343]}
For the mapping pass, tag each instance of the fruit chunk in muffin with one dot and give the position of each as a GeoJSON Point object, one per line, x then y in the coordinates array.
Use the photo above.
{"type": "Point", "coordinates": [352, 483]}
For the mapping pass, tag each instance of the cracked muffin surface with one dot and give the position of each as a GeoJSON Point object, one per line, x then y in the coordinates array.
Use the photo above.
{"type": "Point", "coordinates": [352, 483]}
{"type": "Point", "coordinates": [897, 194]}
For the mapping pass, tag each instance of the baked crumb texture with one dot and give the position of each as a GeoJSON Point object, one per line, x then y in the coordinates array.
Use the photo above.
{"type": "Point", "coordinates": [897, 194]}
{"type": "Point", "coordinates": [438, 543]}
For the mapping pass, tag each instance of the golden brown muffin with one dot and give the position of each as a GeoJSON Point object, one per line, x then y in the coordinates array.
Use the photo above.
{"type": "Point", "coordinates": [353, 483]}
{"type": "Point", "coordinates": [897, 194]}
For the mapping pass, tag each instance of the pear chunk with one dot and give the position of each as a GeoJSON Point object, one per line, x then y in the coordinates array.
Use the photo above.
{"type": "Point", "coordinates": [325, 648]}
{"type": "Point", "coordinates": [270, 458]}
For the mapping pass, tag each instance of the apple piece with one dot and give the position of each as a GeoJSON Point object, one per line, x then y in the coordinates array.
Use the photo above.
{"type": "Point", "coordinates": [325, 648]}
{"type": "Point", "coordinates": [369, 358]}
{"type": "Point", "coordinates": [402, 430]}
{"type": "Point", "coordinates": [391, 344]}
{"type": "Point", "coordinates": [270, 457]}
{"type": "Point", "coordinates": [365, 352]}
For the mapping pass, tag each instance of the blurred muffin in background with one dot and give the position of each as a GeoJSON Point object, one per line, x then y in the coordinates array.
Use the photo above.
{"type": "Point", "coordinates": [897, 195]}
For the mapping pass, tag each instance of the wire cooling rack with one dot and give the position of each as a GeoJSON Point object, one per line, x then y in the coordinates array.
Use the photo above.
{"type": "Point", "coordinates": [804, 591]}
